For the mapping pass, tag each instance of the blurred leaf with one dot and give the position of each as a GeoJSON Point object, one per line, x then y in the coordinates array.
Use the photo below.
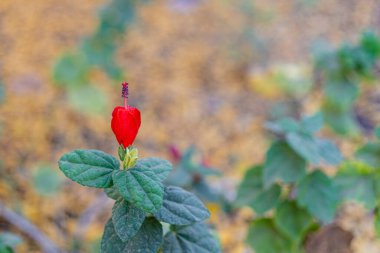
{"type": "Point", "coordinates": [193, 238]}
{"type": "Point", "coordinates": [2, 92]}
{"type": "Point", "coordinates": [126, 219]}
{"type": "Point", "coordinates": [263, 237]}
{"type": "Point", "coordinates": [251, 192]}
{"type": "Point", "coordinates": [319, 195]}
{"type": "Point", "coordinates": [88, 99]}
{"type": "Point", "coordinates": [179, 177]}
{"type": "Point", "coordinates": [341, 93]}
{"type": "Point", "coordinates": [203, 190]}
{"type": "Point", "coordinates": [328, 152]}
{"type": "Point", "coordinates": [47, 181]}
{"type": "Point", "coordinates": [305, 146]}
{"type": "Point", "coordinates": [282, 163]}
{"type": "Point", "coordinates": [354, 183]}
{"type": "Point", "coordinates": [377, 222]}
{"type": "Point", "coordinates": [141, 187]}
{"type": "Point", "coordinates": [148, 239]}
{"type": "Point", "coordinates": [292, 220]}
{"type": "Point", "coordinates": [91, 167]}
{"type": "Point", "coordinates": [370, 154]}
{"type": "Point", "coordinates": [312, 124]}
{"type": "Point", "coordinates": [283, 125]}
{"type": "Point", "coordinates": [10, 239]}
{"type": "Point", "coordinates": [377, 132]}
{"type": "Point", "coordinates": [71, 70]}
{"type": "Point", "coordinates": [181, 207]}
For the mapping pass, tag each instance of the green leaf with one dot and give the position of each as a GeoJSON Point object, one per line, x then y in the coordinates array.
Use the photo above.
{"type": "Point", "coordinates": [160, 167]}
{"type": "Point", "coordinates": [282, 163]}
{"type": "Point", "coordinates": [112, 192]}
{"type": "Point", "coordinates": [10, 239]}
{"type": "Point", "coordinates": [284, 125]}
{"type": "Point", "coordinates": [148, 239]}
{"type": "Point", "coordinates": [370, 154]}
{"type": "Point", "coordinates": [126, 219]}
{"type": "Point", "coordinates": [263, 237]}
{"type": "Point", "coordinates": [181, 207]}
{"type": "Point", "coordinates": [71, 70]}
{"type": "Point", "coordinates": [91, 168]}
{"type": "Point", "coordinates": [292, 220]}
{"type": "Point", "coordinates": [328, 152]}
{"type": "Point", "coordinates": [195, 238]}
{"type": "Point", "coordinates": [377, 222]}
{"type": "Point", "coordinates": [88, 99]}
{"type": "Point", "coordinates": [47, 181]}
{"type": "Point", "coordinates": [364, 190]}
{"type": "Point", "coordinates": [377, 132]}
{"type": "Point", "coordinates": [319, 195]}
{"type": "Point", "coordinates": [251, 192]}
{"type": "Point", "coordinates": [141, 187]}
{"type": "Point", "coordinates": [304, 145]}
{"type": "Point", "coordinates": [312, 124]}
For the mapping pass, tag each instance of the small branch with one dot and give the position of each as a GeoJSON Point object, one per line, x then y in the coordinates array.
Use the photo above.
{"type": "Point", "coordinates": [29, 229]}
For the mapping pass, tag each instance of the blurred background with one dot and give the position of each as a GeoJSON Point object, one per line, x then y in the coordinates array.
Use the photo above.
{"type": "Point", "coordinates": [206, 76]}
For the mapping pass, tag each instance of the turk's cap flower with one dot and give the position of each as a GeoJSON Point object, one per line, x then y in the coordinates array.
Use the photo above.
{"type": "Point", "coordinates": [126, 121]}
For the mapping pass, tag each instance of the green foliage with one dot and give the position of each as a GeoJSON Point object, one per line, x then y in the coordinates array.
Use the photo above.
{"type": "Point", "coordinates": [8, 241]}
{"type": "Point", "coordinates": [251, 192]}
{"type": "Point", "coordinates": [300, 136]}
{"type": "Point", "coordinates": [87, 99]}
{"type": "Point", "coordinates": [140, 203]}
{"type": "Point", "coordinates": [148, 239]}
{"type": "Point", "coordinates": [370, 154]}
{"type": "Point", "coordinates": [307, 197]}
{"type": "Point", "coordinates": [126, 219]}
{"type": "Point", "coordinates": [181, 207]}
{"type": "Point", "coordinates": [46, 181]}
{"type": "Point", "coordinates": [357, 182]}
{"type": "Point", "coordinates": [72, 70]}
{"type": "Point", "coordinates": [292, 220]}
{"type": "Point", "coordinates": [280, 155]}
{"type": "Point", "coordinates": [342, 71]}
{"type": "Point", "coordinates": [141, 187]}
{"type": "Point", "coordinates": [193, 238]}
{"type": "Point", "coordinates": [91, 168]}
{"type": "Point", "coordinates": [264, 237]}
{"type": "Point", "coordinates": [318, 194]}
{"type": "Point", "coordinates": [192, 175]}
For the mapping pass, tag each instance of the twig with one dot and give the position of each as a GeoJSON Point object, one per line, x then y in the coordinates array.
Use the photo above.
{"type": "Point", "coordinates": [29, 229]}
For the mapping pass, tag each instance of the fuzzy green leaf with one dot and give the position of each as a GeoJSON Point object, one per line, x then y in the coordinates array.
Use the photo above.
{"type": "Point", "coordinates": [195, 238]}
{"type": "Point", "coordinates": [160, 167]}
{"type": "Point", "coordinates": [319, 195]}
{"type": "Point", "coordinates": [292, 220]}
{"type": "Point", "coordinates": [282, 163]}
{"type": "Point", "coordinates": [304, 145]}
{"type": "Point", "coordinates": [370, 154]}
{"type": "Point", "coordinates": [91, 168]}
{"type": "Point", "coordinates": [263, 237]}
{"type": "Point", "coordinates": [181, 207]}
{"type": "Point", "coordinates": [141, 187]}
{"type": "Point", "coordinates": [251, 192]}
{"type": "Point", "coordinates": [126, 219]}
{"type": "Point", "coordinates": [328, 152]}
{"type": "Point", "coordinates": [147, 240]}
{"type": "Point", "coordinates": [312, 124]}
{"type": "Point", "coordinates": [112, 192]}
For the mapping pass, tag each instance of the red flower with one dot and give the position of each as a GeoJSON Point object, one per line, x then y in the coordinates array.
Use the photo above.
{"type": "Point", "coordinates": [125, 121]}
